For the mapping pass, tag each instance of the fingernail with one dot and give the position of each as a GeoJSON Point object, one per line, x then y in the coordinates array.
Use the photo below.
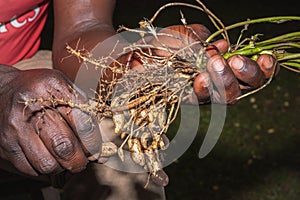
{"type": "Point", "coordinates": [63, 147]}
{"type": "Point", "coordinates": [218, 65]}
{"type": "Point", "coordinates": [206, 82]}
{"type": "Point", "coordinates": [82, 122]}
{"type": "Point", "coordinates": [268, 62]}
{"type": "Point", "coordinates": [203, 79]}
{"type": "Point", "coordinates": [237, 62]}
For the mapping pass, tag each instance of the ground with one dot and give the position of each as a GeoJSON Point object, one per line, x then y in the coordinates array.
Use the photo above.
{"type": "Point", "coordinates": [257, 156]}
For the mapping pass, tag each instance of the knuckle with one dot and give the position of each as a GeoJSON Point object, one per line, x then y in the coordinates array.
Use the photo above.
{"type": "Point", "coordinates": [17, 158]}
{"type": "Point", "coordinates": [47, 165]}
{"type": "Point", "coordinates": [13, 150]}
{"type": "Point", "coordinates": [83, 122]}
{"type": "Point", "coordinates": [63, 147]}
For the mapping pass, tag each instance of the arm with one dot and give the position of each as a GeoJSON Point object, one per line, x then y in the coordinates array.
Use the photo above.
{"type": "Point", "coordinates": [89, 21]}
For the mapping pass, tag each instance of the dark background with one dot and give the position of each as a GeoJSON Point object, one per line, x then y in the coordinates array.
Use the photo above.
{"type": "Point", "coordinates": [257, 156]}
{"type": "Point", "coordinates": [129, 13]}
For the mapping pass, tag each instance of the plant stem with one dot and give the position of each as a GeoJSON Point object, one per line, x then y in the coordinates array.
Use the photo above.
{"type": "Point", "coordinates": [282, 38]}
{"type": "Point", "coordinates": [276, 19]}
{"type": "Point", "coordinates": [275, 46]}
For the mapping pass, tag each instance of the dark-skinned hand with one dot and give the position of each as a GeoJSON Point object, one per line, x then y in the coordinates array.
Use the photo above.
{"type": "Point", "coordinates": [44, 140]}
{"type": "Point", "coordinates": [223, 80]}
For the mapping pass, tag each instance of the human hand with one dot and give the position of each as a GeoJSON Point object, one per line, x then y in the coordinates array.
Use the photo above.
{"type": "Point", "coordinates": [36, 138]}
{"type": "Point", "coordinates": [223, 80]}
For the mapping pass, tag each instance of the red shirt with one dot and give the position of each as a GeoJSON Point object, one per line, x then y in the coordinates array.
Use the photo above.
{"type": "Point", "coordinates": [21, 23]}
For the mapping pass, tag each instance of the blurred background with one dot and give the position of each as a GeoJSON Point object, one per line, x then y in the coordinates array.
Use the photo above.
{"type": "Point", "coordinates": [258, 153]}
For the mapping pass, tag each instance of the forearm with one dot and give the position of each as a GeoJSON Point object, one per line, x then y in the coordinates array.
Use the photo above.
{"type": "Point", "coordinates": [84, 24]}
{"type": "Point", "coordinates": [70, 64]}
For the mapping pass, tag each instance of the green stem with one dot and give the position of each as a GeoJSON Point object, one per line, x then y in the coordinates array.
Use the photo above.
{"type": "Point", "coordinates": [289, 56]}
{"type": "Point", "coordinates": [276, 46]}
{"type": "Point", "coordinates": [282, 38]}
{"type": "Point", "coordinates": [281, 45]}
{"type": "Point", "coordinates": [276, 19]}
{"type": "Point", "coordinates": [269, 49]}
{"type": "Point", "coordinates": [291, 64]}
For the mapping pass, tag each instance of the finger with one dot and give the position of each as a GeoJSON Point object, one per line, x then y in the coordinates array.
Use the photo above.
{"type": "Point", "coordinates": [202, 33]}
{"type": "Point", "coordinates": [211, 50]}
{"type": "Point", "coordinates": [187, 34]}
{"type": "Point", "coordinates": [218, 47]}
{"type": "Point", "coordinates": [222, 45]}
{"type": "Point", "coordinates": [85, 127]}
{"type": "Point", "coordinates": [179, 36]}
{"type": "Point", "coordinates": [47, 86]}
{"type": "Point", "coordinates": [267, 63]}
{"type": "Point", "coordinates": [15, 155]}
{"type": "Point", "coordinates": [82, 124]}
{"type": "Point", "coordinates": [247, 71]}
{"type": "Point", "coordinates": [226, 86]}
{"type": "Point", "coordinates": [201, 87]}
{"type": "Point", "coordinates": [38, 155]}
{"type": "Point", "coordinates": [61, 141]}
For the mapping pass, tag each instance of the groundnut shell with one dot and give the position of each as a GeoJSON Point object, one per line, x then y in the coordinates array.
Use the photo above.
{"type": "Point", "coordinates": [134, 145]}
{"type": "Point", "coordinates": [162, 118]}
{"type": "Point", "coordinates": [119, 121]}
{"type": "Point", "coordinates": [138, 158]}
{"type": "Point", "coordinates": [108, 149]}
{"type": "Point", "coordinates": [146, 140]}
{"type": "Point", "coordinates": [151, 161]}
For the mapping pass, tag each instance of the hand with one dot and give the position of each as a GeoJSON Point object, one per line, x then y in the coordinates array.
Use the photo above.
{"type": "Point", "coordinates": [36, 138]}
{"type": "Point", "coordinates": [233, 75]}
